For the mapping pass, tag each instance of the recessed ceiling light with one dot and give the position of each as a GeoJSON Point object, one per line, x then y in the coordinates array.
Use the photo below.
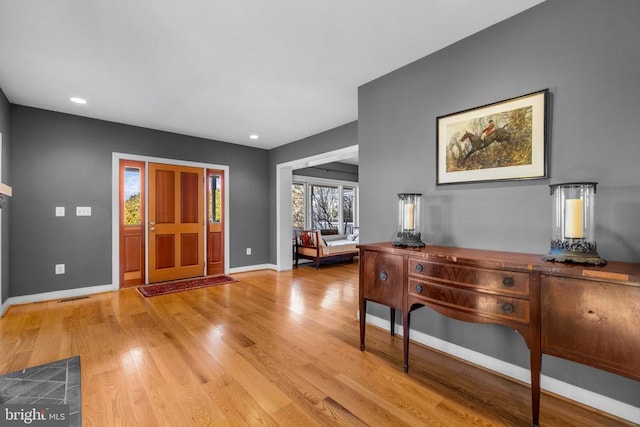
{"type": "Point", "coordinates": [254, 136]}
{"type": "Point", "coordinates": [77, 100]}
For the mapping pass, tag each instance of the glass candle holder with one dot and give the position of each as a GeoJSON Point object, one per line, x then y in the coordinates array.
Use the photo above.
{"type": "Point", "coordinates": [572, 232]}
{"type": "Point", "coordinates": [409, 221]}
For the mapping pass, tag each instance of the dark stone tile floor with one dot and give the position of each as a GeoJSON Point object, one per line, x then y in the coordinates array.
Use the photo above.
{"type": "Point", "coordinates": [55, 383]}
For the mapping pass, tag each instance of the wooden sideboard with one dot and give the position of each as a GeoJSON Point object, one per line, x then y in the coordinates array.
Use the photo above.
{"type": "Point", "coordinates": [586, 314]}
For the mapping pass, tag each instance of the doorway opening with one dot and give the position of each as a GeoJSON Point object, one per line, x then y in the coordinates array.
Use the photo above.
{"type": "Point", "coordinates": [169, 220]}
{"type": "Point", "coordinates": [284, 181]}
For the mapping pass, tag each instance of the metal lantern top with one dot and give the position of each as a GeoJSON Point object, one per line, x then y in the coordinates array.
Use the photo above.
{"type": "Point", "coordinates": [552, 187]}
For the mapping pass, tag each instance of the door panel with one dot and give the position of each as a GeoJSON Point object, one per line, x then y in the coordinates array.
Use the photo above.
{"type": "Point", "coordinates": [176, 223]}
{"type": "Point", "coordinates": [190, 195]}
{"type": "Point", "coordinates": [215, 223]}
{"type": "Point", "coordinates": [165, 251]}
{"type": "Point", "coordinates": [190, 249]}
{"type": "Point", "coordinates": [165, 196]}
{"type": "Point", "coordinates": [215, 247]}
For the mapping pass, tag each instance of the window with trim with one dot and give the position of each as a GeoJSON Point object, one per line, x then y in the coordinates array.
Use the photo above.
{"type": "Point", "coordinates": [298, 206]}
{"type": "Point", "coordinates": [348, 209]}
{"type": "Point", "coordinates": [321, 204]}
{"type": "Point", "coordinates": [325, 204]}
{"type": "Point", "coordinates": [215, 199]}
{"type": "Point", "coordinates": [132, 187]}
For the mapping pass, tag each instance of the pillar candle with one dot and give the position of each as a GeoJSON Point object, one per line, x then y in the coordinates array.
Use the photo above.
{"type": "Point", "coordinates": [573, 219]}
{"type": "Point", "coordinates": [408, 217]}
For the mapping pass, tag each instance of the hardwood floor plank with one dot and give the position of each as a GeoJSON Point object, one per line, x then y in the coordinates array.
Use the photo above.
{"type": "Point", "coordinates": [240, 408]}
{"type": "Point", "coordinates": [356, 404]}
{"type": "Point", "coordinates": [409, 415]}
{"type": "Point", "coordinates": [292, 415]}
{"type": "Point", "coordinates": [144, 413]}
{"type": "Point", "coordinates": [271, 349]}
{"type": "Point", "coordinates": [270, 397]}
{"type": "Point", "coordinates": [339, 415]}
{"type": "Point", "coordinates": [107, 402]}
{"type": "Point", "coordinates": [391, 387]}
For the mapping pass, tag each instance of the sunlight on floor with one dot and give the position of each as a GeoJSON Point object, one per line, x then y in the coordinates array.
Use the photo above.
{"type": "Point", "coordinates": [296, 302]}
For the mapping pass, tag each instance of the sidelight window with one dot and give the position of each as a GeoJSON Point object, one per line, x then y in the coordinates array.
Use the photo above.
{"type": "Point", "coordinates": [132, 201]}
{"type": "Point", "coordinates": [215, 199]}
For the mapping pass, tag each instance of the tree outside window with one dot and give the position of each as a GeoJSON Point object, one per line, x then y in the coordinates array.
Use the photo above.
{"type": "Point", "coordinates": [132, 204]}
{"type": "Point", "coordinates": [215, 199]}
{"type": "Point", "coordinates": [325, 204]}
{"type": "Point", "coordinates": [297, 206]}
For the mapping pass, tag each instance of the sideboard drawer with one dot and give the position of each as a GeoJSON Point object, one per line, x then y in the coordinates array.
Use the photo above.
{"type": "Point", "coordinates": [592, 322]}
{"type": "Point", "coordinates": [487, 305]}
{"type": "Point", "coordinates": [383, 278]}
{"type": "Point", "coordinates": [500, 281]}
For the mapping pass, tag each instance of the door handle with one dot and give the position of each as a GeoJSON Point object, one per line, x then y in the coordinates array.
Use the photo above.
{"type": "Point", "coordinates": [152, 226]}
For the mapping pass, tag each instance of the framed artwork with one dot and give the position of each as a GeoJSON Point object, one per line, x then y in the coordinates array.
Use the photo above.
{"type": "Point", "coordinates": [506, 140]}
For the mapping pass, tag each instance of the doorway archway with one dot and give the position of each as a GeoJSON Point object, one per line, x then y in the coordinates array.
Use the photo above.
{"type": "Point", "coordinates": [284, 171]}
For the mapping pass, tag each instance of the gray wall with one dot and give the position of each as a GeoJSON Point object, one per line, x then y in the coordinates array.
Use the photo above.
{"type": "Point", "coordinates": [588, 54]}
{"type": "Point", "coordinates": [6, 135]}
{"type": "Point", "coordinates": [64, 160]}
{"type": "Point", "coordinates": [334, 139]}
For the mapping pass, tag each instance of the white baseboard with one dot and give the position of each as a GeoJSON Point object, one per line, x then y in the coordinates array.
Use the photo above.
{"type": "Point", "coordinates": [3, 308]}
{"type": "Point", "coordinates": [70, 293]}
{"type": "Point", "coordinates": [561, 388]}
{"type": "Point", "coordinates": [47, 296]}
{"type": "Point", "coordinates": [257, 267]}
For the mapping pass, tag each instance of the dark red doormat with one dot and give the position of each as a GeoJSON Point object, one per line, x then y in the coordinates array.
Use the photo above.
{"type": "Point", "coordinates": [184, 285]}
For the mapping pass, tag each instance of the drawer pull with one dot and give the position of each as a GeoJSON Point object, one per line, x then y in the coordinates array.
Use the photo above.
{"type": "Point", "coordinates": [507, 307]}
{"type": "Point", "coordinates": [419, 268]}
{"type": "Point", "coordinates": [508, 282]}
{"type": "Point", "coordinates": [383, 276]}
{"type": "Point", "coordinates": [419, 289]}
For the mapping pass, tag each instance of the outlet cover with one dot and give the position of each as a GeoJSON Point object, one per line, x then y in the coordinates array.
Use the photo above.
{"type": "Point", "coordinates": [248, 251]}
{"type": "Point", "coordinates": [83, 210]}
{"type": "Point", "coordinates": [59, 268]}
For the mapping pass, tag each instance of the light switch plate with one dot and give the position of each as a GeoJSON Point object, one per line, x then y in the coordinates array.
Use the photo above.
{"type": "Point", "coordinates": [83, 210]}
{"type": "Point", "coordinates": [59, 268]}
{"type": "Point", "coordinates": [59, 210]}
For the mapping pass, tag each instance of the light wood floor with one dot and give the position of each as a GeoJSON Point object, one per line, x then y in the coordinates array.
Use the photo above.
{"type": "Point", "coordinates": [271, 349]}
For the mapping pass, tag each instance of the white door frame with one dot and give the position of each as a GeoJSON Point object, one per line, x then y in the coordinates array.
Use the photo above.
{"type": "Point", "coordinates": [1, 258]}
{"type": "Point", "coordinates": [115, 206]}
{"type": "Point", "coordinates": [284, 171]}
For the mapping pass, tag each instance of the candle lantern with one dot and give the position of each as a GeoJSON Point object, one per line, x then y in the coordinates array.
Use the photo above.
{"type": "Point", "coordinates": [572, 237]}
{"type": "Point", "coordinates": [408, 221]}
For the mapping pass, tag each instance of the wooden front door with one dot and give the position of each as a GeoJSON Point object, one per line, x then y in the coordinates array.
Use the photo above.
{"type": "Point", "coordinates": [215, 222]}
{"type": "Point", "coordinates": [176, 222]}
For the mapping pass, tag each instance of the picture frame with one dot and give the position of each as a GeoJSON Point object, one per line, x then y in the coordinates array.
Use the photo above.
{"type": "Point", "coordinates": [502, 141]}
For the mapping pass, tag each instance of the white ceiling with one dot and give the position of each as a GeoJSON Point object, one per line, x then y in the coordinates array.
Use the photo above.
{"type": "Point", "coordinates": [283, 69]}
